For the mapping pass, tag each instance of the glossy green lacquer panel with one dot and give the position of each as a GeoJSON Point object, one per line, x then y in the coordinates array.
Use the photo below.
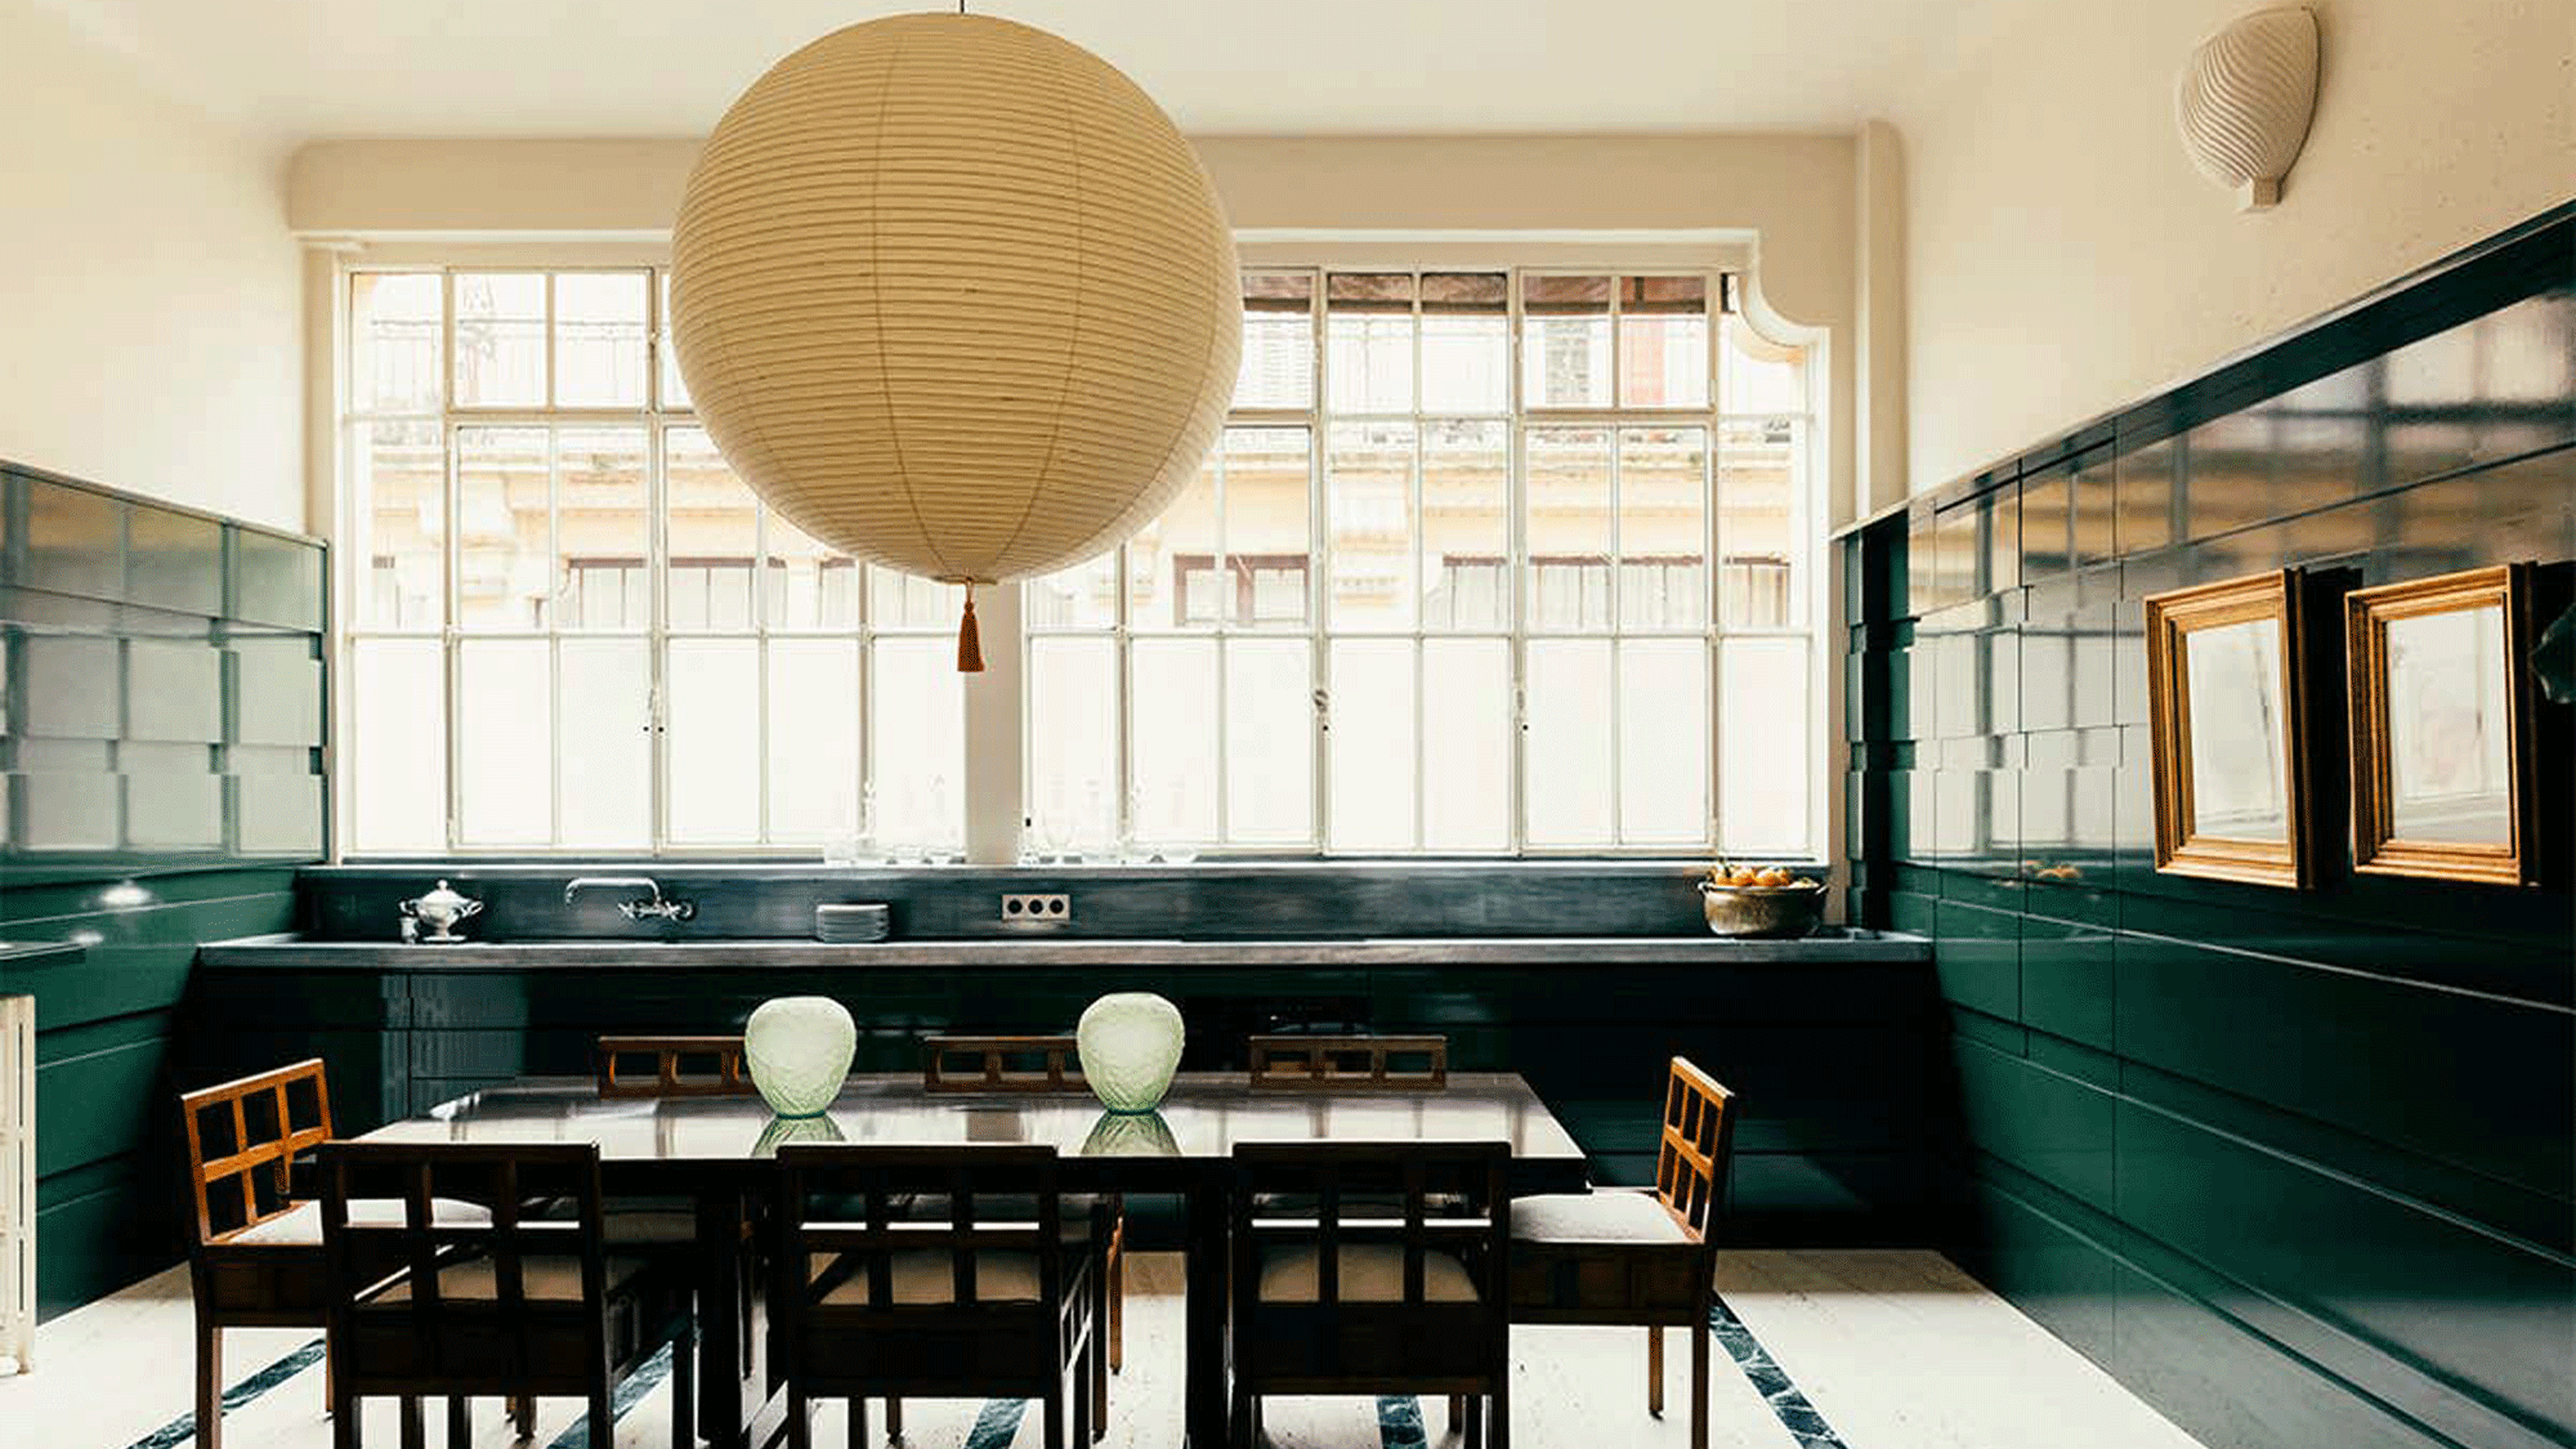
{"type": "Point", "coordinates": [2299, 1167]}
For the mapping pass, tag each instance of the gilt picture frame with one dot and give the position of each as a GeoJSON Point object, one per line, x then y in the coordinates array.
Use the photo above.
{"type": "Point", "coordinates": [2226, 714]}
{"type": "Point", "coordinates": [2442, 710]}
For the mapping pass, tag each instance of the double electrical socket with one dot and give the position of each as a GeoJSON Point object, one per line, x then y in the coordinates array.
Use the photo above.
{"type": "Point", "coordinates": [1037, 911]}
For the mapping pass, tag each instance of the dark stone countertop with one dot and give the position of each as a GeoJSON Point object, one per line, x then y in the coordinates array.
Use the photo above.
{"type": "Point", "coordinates": [1833, 946]}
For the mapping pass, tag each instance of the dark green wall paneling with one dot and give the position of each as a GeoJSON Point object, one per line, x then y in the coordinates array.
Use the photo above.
{"type": "Point", "coordinates": [161, 717]}
{"type": "Point", "coordinates": [2299, 1167]}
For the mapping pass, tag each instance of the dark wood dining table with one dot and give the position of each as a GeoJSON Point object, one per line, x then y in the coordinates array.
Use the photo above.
{"type": "Point", "coordinates": [720, 1152]}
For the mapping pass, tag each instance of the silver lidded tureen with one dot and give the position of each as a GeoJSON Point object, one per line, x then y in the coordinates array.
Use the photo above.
{"type": "Point", "coordinates": [441, 910]}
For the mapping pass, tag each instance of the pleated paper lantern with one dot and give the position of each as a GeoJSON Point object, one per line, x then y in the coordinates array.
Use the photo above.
{"type": "Point", "coordinates": [955, 296]}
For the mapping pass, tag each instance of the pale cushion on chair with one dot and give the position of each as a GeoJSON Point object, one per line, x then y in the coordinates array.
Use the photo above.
{"type": "Point", "coordinates": [648, 1227]}
{"type": "Point", "coordinates": [928, 1275]}
{"type": "Point", "coordinates": [1370, 1273]}
{"type": "Point", "coordinates": [1595, 1217]}
{"type": "Point", "coordinates": [546, 1278]}
{"type": "Point", "coordinates": [301, 1225]}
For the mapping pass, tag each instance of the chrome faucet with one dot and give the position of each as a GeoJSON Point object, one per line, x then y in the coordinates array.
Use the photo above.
{"type": "Point", "coordinates": [652, 905]}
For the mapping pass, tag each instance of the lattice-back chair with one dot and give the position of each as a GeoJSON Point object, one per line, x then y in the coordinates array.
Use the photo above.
{"type": "Point", "coordinates": [1349, 1063]}
{"type": "Point", "coordinates": [1392, 1283]}
{"type": "Point", "coordinates": [671, 1066]}
{"type": "Point", "coordinates": [1639, 1258]}
{"type": "Point", "coordinates": [873, 1300]}
{"type": "Point", "coordinates": [431, 1304]}
{"type": "Point", "coordinates": [255, 1257]}
{"type": "Point", "coordinates": [1026, 1065]}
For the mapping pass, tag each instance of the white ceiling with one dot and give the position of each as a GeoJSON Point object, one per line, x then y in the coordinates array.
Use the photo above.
{"type": "Point", "coordinates": [296, 70]}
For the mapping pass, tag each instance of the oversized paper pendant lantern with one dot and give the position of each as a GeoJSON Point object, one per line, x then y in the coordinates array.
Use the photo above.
{"type": "Point", "coordinates": [956, 297]}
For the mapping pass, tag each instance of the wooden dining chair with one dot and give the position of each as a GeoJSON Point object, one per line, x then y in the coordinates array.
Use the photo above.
{"type": "Point", "coordinates": [1349, 1063]}
{"type": "Point", "coordinates": [670, 1066]}
{"type": "Point", "coordinates": [509, 1305]}
{"type": "Point", "coordinates": [1021, 1065]}
{"type": "Point", "coordinates": [255, 1256]}
{"type": "Point", "coordinates": [871, 1300]}
{"type": "Point", "coordinates": [1356, 1297]}
{"type": "Point", "coordinates": [1638, 1257]}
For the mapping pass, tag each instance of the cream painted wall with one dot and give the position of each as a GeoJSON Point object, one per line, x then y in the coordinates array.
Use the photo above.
{"type": "Point", "coordinates": [2064, 258]}
{"type": "Point", "coordinates": [1793, 198]}
{"type": "Point", "coordinates": [151, 308]}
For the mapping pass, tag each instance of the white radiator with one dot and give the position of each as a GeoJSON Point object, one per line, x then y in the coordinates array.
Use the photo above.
{"type": "Point", "coordinates": [17, 1184]}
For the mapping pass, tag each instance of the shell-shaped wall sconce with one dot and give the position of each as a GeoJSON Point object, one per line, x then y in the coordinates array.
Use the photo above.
{"type": "Point", "coordinates": [2244, 101]}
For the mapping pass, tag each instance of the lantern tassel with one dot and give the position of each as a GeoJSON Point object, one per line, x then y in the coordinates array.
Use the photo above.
{"type": "Point", "coordinates": [970, 642]}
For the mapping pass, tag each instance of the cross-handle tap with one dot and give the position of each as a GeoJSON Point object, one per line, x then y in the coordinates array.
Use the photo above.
{"type": "Point", "coordinates": [652, 905]}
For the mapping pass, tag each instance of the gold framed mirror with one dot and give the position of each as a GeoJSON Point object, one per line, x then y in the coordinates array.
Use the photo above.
{"type": "Point", "coordinates": [2225, 714]}
{"type": "Point", "coordinates": [2441, 726]}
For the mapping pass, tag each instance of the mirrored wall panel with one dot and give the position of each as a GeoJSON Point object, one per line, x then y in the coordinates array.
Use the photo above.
{"type": "Point", "coordinates": [161, 683]}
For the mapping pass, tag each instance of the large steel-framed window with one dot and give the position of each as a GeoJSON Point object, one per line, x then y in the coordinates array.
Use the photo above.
{"type": "Point", "coordinates": [571, 628]}
{"type": "Point", "coordinates": [1446, 586]}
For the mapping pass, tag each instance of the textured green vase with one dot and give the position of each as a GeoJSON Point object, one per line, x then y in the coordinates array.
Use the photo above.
{"type": "Point", "coordinates": [799, 1050]}
{"type": "Point", "coordinates": [1130, 1042]}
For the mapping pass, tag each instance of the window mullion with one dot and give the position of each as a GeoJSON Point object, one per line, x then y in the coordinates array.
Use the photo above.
{"type": "Point", "coordinates": [1516, 566]}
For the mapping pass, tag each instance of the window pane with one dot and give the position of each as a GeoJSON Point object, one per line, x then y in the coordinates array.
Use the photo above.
{"type": "Point", "coordinates": [1566, 778]}
{"type": "Point", "coordinates": [502, 535]}
{"type": "Point", "coordinates": [1565, 342]}
{"type": "Point", "coordinates": [1368, 341]}
{"type": "Point", "coordinates": [505, 742]}
{"type": "Point", "coordinates": [1466, 744]}
{"type": "Point", "coordinates": [393, 341]}
{"type": "Point", "coordinates": [1269, 742]}
{"type": "Point", "coordinates": [1760, 376]}
{"type": "Point", "coordinates": [1663, 342]}
{"type": "Point", "coordinates": [1466, 525]}
{"type": "Point", "coordinates": [1761, 472]}
{"type": "Point", "coordinates": [1278, 341]}
{"type": "Point", "coordinates": [1171, 562]}
{"type": "Point", "coordinates": [813, 740]}
{"type": "Point", "coordinates": [1265, 526]}
{"type": "Point", "coordinates": [601, 529]}
{"type": "Point", "coordinates": [398, 503]}
{"type": "Point", "coordinates": [605, 686]}
{"type": "Point", "coordinates": [1763, 763]}
{"type": "Point", "coordinates": [917, 728]}
{"type": "Point", "coordinates": [1569, 528]}
{"type": "Point", "coordinates": [710, 532]}
{"type": "Point", "coordinates": [1466, 343]}
{"type": "Point", "coordinates": [712, 750]}
{"type": "Point", "coordinates": [1073, 742]}
{"type": "Point", "coordinates": [398, 692]}
{"type": "Point", "coordinates": [1368, 482]}
{"type": "Point", "coordinates": [1084, 596]}
{"type": "Point", "coordinates": [906, 602]}
{"type": "Point", "coordinates": [599, 339]}
{"type": "Point", "coordinates": [500, 339]}
{"type": "Point", "coordinates": [675, 389]}
{"type": "Point", "coordinates": [1663, 488]}
{"type": "Point", "coordinates": [1172, 726]}
{"type": "Point", "coordinates": [810, 586]}
{"type": "Point", "coordinates": [1371, 744]}
{"type": "Point", "coordinates": [1663, 741]}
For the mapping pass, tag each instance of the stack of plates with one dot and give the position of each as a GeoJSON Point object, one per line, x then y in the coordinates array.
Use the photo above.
{"type": "Point", "coordinates": [850, 923]}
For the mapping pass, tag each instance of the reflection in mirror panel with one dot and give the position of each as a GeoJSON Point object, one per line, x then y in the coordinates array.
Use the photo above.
{"type": "Point", "coordinates": [2239, 770]}
{"type": "Point", "coordinates": [2448, 759]}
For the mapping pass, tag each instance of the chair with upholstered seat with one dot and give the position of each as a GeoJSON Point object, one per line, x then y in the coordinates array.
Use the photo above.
{"type": "Point", "coordinates": [1638, 1257]}
{"type": "Point", "coordinates": [873, 1300]}
{"type": "Point", "coordinates": [504, 1304]}
{"type": "Point", "coordinates": [1392, 1282]}
{"type": "Point", "coordinates": [1032, 1064]}
{"type": "Point", "coordinates": [255, 1259]}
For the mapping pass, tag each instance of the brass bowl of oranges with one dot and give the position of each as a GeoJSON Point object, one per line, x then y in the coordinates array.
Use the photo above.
{"type": "Point", "coordinates": [1760, 903]}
